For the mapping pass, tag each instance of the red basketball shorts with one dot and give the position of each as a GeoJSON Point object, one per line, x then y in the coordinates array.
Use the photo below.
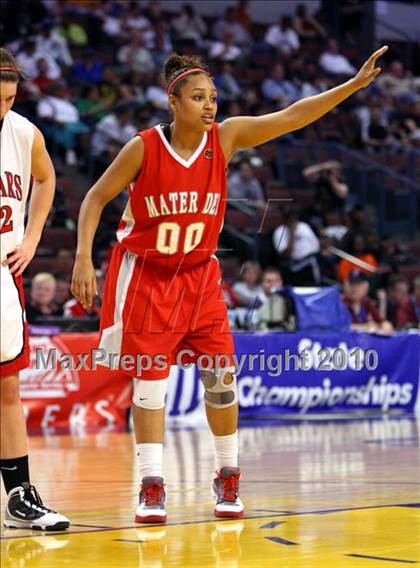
{"type": "Point", "coordinates": [154, 317]}
{"type": "Point", "coordinates": [14, 328]}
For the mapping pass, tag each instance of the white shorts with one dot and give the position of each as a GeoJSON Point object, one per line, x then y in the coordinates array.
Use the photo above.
{"type": "Point", "coordinates": [14, 345]}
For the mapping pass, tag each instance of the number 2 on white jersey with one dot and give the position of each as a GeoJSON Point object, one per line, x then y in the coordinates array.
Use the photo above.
{"type": "Point", "coordinates": [168, 237]}
{"type": "Point", "coordinates": [6, 223]}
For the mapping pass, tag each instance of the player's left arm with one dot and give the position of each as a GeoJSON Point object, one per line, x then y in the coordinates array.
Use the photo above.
{"type": "Point", "coordinates": [42, 196]}
{"type": "Point", "coordinates": [248, 131]}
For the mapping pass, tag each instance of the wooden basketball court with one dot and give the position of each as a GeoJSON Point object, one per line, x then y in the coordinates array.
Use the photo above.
{"type": "Point", "coordinates": [337, 493]}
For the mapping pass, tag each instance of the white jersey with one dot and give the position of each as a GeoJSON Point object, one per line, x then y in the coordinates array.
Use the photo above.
{"type": "Point", "coordinates": [16, 139]}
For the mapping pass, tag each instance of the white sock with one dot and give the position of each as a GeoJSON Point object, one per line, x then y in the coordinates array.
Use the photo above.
{"type": "Point", "coordinates": [150, 459]}
{"type": "Point", "coordinates": [226, 451]}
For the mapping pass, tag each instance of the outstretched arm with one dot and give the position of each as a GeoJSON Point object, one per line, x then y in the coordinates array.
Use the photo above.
{"type": "Point", "coordinates": [247, 131]}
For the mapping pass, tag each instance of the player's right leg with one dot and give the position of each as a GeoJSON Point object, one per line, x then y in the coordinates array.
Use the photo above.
{"type": "Point", "coordinates": [149, 422]}
{"type": "Point", "coordinates": [24, 507]}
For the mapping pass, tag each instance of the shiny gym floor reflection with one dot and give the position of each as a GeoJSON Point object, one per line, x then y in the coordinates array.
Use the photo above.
{"type": "Point", "coordinates": [339, 494]}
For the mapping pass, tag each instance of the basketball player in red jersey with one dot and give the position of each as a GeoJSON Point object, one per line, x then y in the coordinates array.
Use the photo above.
{"type": "Point", "coordinates": [163, 292]}
{"type": "Point", "coordinates": [23, 155]}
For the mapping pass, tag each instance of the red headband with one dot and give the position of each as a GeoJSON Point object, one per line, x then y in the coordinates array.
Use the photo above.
{"type": "Point", "coordinates": [9, 69]}
{"type": "Point", "coordinates": [182, 75]}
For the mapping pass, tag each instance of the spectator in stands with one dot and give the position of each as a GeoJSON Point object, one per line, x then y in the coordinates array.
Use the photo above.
{"type": "Point", "coordinates": [239, 34]}
{"type": "Point", "coordinates": [136, 20]}
{"type": "Point", "coordinates": [111, 133]}
{"type": "Point", "coordinates": [157, 97]}
{"type": "Point", "coordinates": [136, 55]}
{"type": "Point", "coordinates": [109, 85]}
{"type": "Point", "coordinates": [189, 25]}
{"type": "Point", "coordinates": [334, 228]}
{"type": "Point", "coordinates": [358, 250]}
{"type": "Point", "coordinates": [88, 68]}
{"type": "Point", "coordinates": [397, 82]}
{"type": "Point", "coordinates": [225, 50]}
{"type": "Point", "coordinates": [393, 254]}
{"type": "Point", "coordinates": [275, 309]}
{"type": "Point", "coordinates": [377, 135]}
{"type": "Point", "coordinates": [400, 309]}
{"type": "Point", "coordinates": [333, 62]}
{"type": "Point", "coordinates": [397, 135]}
{"type": "Point", "coordinates": [62, 121]}
{"type": "Point", "coordinates": [331, 188]}
{"type": "Point", "coordinates": [360, 224]}
{"type": "Point", "coordinates": [242, 16]}
{"type": "Point", "coordinates": [244, 188]}
{"type": "Point", "coordinates": [307, 26]}
{"type": "Point", "coordinates": [331, 192]}
{"type": "Point", "coordinates": [113, 21]}
{"type": "Point", "coordinates": [228, 88]}
{"type": "Point", "coordinates": [278, 89]}
{"type": "Point", "coordinates": [62, 289]}
{"type": "Point", "coordinates": [50, 41]}
{"type": "Point", "coordinates": [364, 314]}
{"type": "Point", "coordinates": [28, 57]}
{"type": "Point", "coordinates": [72, 29]}
{"type": "Point", "coordinates": [248, 289]}
{"type": "Point", "coordinates": [283, 37]}
{"type": "Point", "coordinates": [162, 43]}
{"type": "Point", "coordinates": [298, 247]}
{"type": "Point", "coordinates": [42, 81]}
{"type": "Point", "coordinates": [91, 106]}
{"type": "Point", "coordinates": [41, 300]}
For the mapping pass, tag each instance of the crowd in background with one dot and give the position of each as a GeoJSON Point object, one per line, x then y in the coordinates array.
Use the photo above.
{"type": "Point", "coordinates": [93, 80]}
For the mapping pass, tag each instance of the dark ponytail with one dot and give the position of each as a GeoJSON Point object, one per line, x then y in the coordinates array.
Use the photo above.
{"type": "Point", "coordinates": [177, 64]}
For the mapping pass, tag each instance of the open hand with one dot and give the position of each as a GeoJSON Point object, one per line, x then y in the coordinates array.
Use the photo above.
{"type": "Point", "coordinates": [368, 71]}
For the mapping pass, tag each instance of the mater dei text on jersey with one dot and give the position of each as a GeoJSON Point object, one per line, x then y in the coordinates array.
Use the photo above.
{"type": "Point", "coordinates": [178, 202]}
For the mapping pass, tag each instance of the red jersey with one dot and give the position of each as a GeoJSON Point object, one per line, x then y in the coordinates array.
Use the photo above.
{"type": "Point", "coordinates": [176, 207]}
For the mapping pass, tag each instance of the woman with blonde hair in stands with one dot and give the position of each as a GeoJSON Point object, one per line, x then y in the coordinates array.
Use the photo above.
{"type": "Point", "coordinates": [41, 301]}
{"type": "Point", "coordinates": [248, 288]}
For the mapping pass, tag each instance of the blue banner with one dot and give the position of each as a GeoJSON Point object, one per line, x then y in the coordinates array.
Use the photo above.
{"type": "Point", "coordinates": [313, 373]}
{"type": "Point", "coordinates": [320, 310]}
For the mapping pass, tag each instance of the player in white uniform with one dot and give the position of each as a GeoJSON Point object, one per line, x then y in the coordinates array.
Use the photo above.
{"type": "Point", "coordinates": [23, 157]}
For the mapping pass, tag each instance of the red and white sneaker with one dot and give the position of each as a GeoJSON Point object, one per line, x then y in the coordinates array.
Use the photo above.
{"type": "Point", "coordinates": [225, 491]}
{"type": "Point", "coordinates": [151, 507]}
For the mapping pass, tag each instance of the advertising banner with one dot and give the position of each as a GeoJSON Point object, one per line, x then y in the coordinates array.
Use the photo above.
{"type": "Point", "coordinates": [277, 374]}
{"type": "Point", "coordinates": [59, 390]}
{"type": "Point", "coordinates": [299, 373]}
